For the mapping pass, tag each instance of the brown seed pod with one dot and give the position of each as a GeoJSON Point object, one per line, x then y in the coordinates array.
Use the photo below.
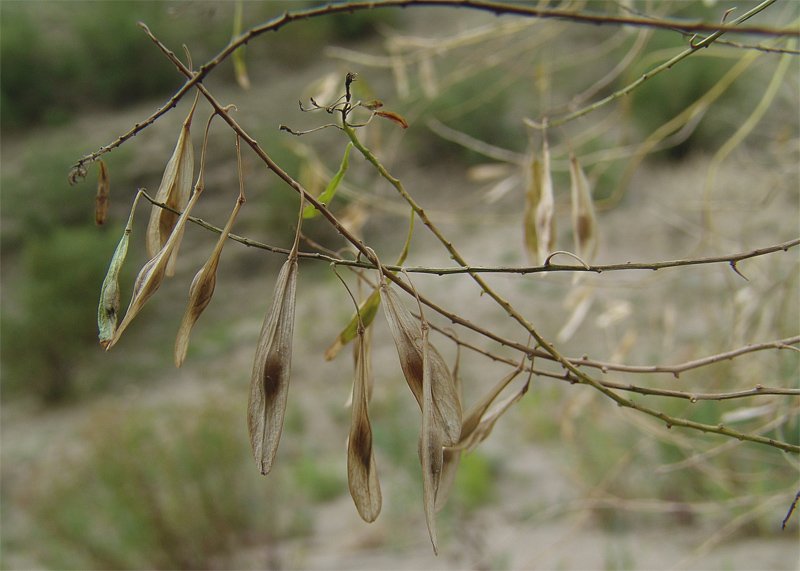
{"type": "Point", "coordinates": [408, 340]}
{"type": "Point", "coordinates": [584, 220]}
{"type": "Point", "coordinates": [269, 382]}
{"type": "Point", "coordinates": [101, 200]}
{"type": "Point", "coordinates": [362, 474]}
{"type": "Point", "coordinates": [174, 191]}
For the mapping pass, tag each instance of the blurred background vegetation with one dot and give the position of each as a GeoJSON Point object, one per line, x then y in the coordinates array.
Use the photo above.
{"type": "Point", "coordinates": [115, 461]}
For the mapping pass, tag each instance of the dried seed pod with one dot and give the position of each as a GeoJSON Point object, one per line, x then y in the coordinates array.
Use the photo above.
{"type": "Point", "coordinates": [407, 337]}
{"type": "Point", "coordinates": [362, 474]}
{"type": "Point", "coordinates": [269, 382]}
{"type": "Point", "coordinates": [539, 216]}
{"type": "Point", "coordinates": [545, 210]}
{"type": "Point", "coordinates": [202, 289]}
{"type": "Point", "coordinates": [584, 220]}
{"type": "Point", "coordinates": [488, 420]}
{"type": "Point", "coordinates": [108, 308]}
{"type": "Point", "coordinates": [101, 200]}
{"type": "Point", "coordinates": [152, 273]}
{"type": "Point", "coordinates": [174, 191]}
{"type": "Point", "coordinates": [430, 442]}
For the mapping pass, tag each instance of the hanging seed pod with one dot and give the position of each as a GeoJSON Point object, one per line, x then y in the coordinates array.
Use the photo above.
{"type": "Point", "coordinates": [362, 474]}
{"type": "Point", "coordinates": [545, 210]}
{"type": "Point", "coordinates": [101, 200]}
{"type": "Point", "coordinates": [202, 289]}
{"type": "Point", "coordinates": [152, 273]}
{"type": "Point", "coordinates": [488, 420]}
{"type": "Point", "coordinates": [584, 220]}
{"type": "Point", "coordinates": [407, 338]}
{"type": "Point", "coordinates": [269, 382]}
{"type": "Point", "coordinates": [174, 191]}
{"type": "Point", "coordinates": [205, 280]}
{"type": "Point", "coordinates": [108, 308]}
{"type": "Point", "coordinates": [539, 215]}
{"type": "Point", "coordinates": [430, 442]}
{"type": "Point", "coordinates": [451, 458]}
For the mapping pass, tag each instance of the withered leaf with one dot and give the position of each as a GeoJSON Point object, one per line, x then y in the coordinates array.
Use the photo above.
{"type": "Point", "coordinates": [393, 117]}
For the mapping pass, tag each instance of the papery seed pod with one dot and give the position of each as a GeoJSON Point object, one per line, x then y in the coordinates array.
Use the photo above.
{"type": "Point", "coordinates": [152, 273]}
{"type": "Point", "coordinates": [101, 200]}
{"type": "Point", "coordinates": [532, 195]}
{"type": "Point", "coordinates": [108, 308]}
{"type": "Point", "coordinates": [451, 458]}
{"type": "Point", "coordinates": [368, 310]}
{"type": "Point", "coordinates": [202, 289]}
{"type": "Point", "coordinates": [545, 210]}
{"type": "Point", "coordinates": [362, 474]}
{"type": "Point", "coordinates": [584, 220]}
{"type": "Point", "coordinates": [407, 337]}
{"type": "Point", "coordinates": [269, 383]}
{"type": "Point", "coordinates": [488, 420]}
{"type": "Point", "coordinates": [174, 191]}
{"type": "Point", "coordinates": [430, 443]}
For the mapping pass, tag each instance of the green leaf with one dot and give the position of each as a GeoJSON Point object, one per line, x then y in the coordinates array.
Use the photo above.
{"type": "Point", "coordinates": [368, 309]}
{"type": "Point", "coordinates": [327, 196]}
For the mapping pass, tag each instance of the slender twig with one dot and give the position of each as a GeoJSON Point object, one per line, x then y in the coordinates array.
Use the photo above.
{"type": "Point", "coordinates": [79, 169]}
{"type": "Point", "coordinates": [569, 366]}
{"type": "Point", "coordinates": [704, 43]}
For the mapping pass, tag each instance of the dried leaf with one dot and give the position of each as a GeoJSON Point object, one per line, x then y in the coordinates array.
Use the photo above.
{"type": "Point", "coordinates": [202, 289]}
{"type": "Point", "coordinates": [152, 273]}
{"type": "Point", "coordinates": [393, 117]}
{"type": "Point", "coordinates": [102, 199]}
{"type": "Point", "coordinates": [108, 308]}
{"type": "Point", "coordinates": [174, 191]}
{"type": "Point", "coordinates": [368, 309]}
{"type": "Point", "coordinates": [584, 220]}
{"type": "Point", "coordinates": [373, 105]}
{"type": "Point", "coordinates": [407, 337]}
{"type": "Point", "coordinates": [333, 186]}
{"type": "Point", "coordinates": [362, 474]}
